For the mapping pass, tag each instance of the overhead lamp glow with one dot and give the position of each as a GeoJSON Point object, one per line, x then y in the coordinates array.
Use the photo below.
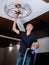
{"type": "Point", "coordinates": [18, 46]}
{"type": "Point", "coordinates": [10, 47]}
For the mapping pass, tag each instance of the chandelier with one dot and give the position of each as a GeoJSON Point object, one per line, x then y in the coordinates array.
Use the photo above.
{"type": "Point", "coordinates": [13, 9]}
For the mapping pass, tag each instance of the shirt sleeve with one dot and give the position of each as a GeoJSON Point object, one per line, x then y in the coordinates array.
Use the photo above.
{"type": "Point", "coordinates": [21, 33]}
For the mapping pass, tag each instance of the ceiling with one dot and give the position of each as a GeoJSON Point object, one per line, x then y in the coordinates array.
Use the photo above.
{"type": "Point", "coordinates": [39, 23]}
{"type": "Point", "coordinates": [38, 8]}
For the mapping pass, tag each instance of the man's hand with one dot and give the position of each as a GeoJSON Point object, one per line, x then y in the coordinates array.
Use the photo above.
{"type": "Point", "coordinates": [35, 46]}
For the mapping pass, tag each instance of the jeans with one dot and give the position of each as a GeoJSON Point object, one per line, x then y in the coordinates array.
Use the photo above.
{"type": "Point", "coordinates": [21, 57]}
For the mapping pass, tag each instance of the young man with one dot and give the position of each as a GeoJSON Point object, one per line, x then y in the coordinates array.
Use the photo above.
{"type": "Point", "coordinates": [27, 39]}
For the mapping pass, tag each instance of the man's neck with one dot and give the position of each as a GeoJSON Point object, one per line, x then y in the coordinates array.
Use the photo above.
{"type": "Point", "coordinates": [28, 33]}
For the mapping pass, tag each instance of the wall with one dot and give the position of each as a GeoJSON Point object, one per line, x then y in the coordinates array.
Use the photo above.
{"type": "Point", "coordinates": [10, 56]}
{"type": "Point", "coordinates": [1, 55]}
{"type": "Point", "coordinates": [44, 45]}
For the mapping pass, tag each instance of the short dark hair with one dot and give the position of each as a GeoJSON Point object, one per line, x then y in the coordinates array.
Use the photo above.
{"type": "Point", "coordinates": [29, 23]}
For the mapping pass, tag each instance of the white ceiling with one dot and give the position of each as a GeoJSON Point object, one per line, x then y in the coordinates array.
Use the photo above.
{"type": "Point", "coordinates": [38, 8]}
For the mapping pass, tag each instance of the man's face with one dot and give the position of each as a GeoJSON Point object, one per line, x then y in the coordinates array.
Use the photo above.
{"type": "Point", "coordinates": [29, 27]}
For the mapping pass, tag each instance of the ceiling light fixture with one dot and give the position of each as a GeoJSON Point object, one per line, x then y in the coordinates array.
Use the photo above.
{"type": "Point", "coordinates": [23, 10]}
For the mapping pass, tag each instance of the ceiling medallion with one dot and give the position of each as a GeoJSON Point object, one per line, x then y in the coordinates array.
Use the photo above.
{"type": "Point", "coordinates": [13, 9]}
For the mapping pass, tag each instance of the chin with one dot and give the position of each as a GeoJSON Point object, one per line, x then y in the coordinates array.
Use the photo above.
{"type": "Point", "coordinates": [27, 29]}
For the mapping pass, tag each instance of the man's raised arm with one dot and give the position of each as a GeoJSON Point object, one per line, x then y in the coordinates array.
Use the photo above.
{"type": "Point", "coordinates": [14, 26]}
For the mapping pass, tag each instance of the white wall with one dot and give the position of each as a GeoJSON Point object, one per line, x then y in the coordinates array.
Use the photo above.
{"type": "Point", "coordinates": [44, 45]}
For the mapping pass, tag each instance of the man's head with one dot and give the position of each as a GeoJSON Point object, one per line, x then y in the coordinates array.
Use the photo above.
{"type": "Point", "coordinates": [29, 27]}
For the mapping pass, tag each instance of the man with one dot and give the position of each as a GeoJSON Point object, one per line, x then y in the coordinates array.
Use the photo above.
{"type": "Point", "coordinates": [27, 39]}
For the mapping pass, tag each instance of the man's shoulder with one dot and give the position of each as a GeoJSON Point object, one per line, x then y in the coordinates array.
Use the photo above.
{"type": "Point", "coordinates": [22, 32]}
{"type": "Point", "coordinates": [33, 33]}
